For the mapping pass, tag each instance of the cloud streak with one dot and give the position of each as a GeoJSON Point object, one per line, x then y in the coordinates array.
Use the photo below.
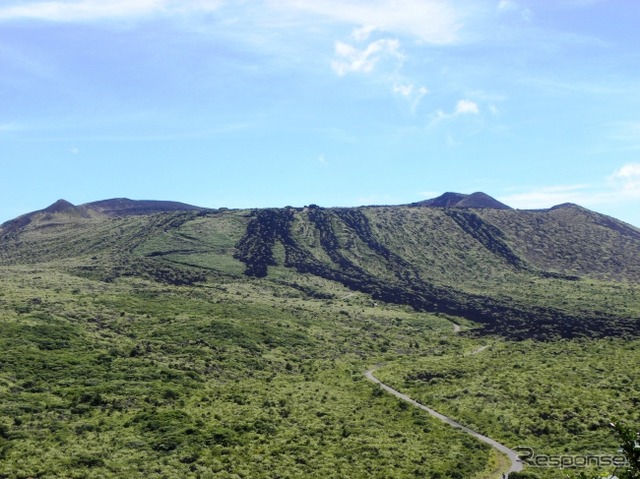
{"type": "Point", "coordinates": [464, 107]}
{"type": "Point", "coordinates": [512, 6]}
{"type": "Point", "coordinates": [430, 21]}
{"type": "Point", "coordinates": [626, 180]}
{"type": "Point", "coordinates": [351, 59]}
{"type": "Point", "coordinates": [412, 93]}
{"type": "Point", "coordinates": [619, 187]}
{"type": "Point", "coordinates": [546, 197]}
{"type": "Point", "coordinates": [92, 10]}
{"type": "Point", "coordinates": [467, 107]}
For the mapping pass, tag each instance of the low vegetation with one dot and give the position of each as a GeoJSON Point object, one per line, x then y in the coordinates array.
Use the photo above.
{"type": "Point", "coordinates": [232, 344]}
{"type": "Point", "coordinates": [138, 379]}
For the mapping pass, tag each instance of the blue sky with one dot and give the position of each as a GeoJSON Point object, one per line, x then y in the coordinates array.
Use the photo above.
{"type": "Point", "coordinates": [339, 103]}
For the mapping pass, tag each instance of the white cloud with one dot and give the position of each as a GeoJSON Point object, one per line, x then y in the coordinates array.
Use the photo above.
{"type": "Point", "coordinates": [616, 189]}
{"type": "Point", "coordinates": [351, 59]}
{"type": "Point", "coordinates": [465, 107]}
{"type": "Point", "coordinates": [546, 197]}
{"type": "Point", "coordinates": [412, 93]}
{"type": "Point", "coordinates": [410, 90]}
{"type": "Point", "coordinates": [404, 90]}
{"type": "Point", "coordinates": [431, 21]}
{"type": "Point", "coordinates": [626, 180]}
{"type": "Point", "coordinates": [361, 34]}
{"type": "Point", "coordinates": [88, 10]}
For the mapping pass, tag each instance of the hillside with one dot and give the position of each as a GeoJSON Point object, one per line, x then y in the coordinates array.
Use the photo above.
{"type": "Point", "coordinates": [160, 340]}
{"type": "Point", "coordinates": [64, 211]}
{"type": "Point", "coordinates": [542, 274]}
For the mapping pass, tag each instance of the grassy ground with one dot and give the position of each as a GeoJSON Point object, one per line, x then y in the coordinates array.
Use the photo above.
{"type": "Point", "coordinates": [556, 398]}
{"type": "Point", "coordinates": [231, 379]}
{"type": "Point", "coordinates": [134, 378]}
{"type": "Point", "coordinates": [136, 347]}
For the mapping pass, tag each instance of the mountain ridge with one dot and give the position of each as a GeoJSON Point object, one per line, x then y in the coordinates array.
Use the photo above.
{"type": "Point", "coordinates": [114, 207]}
{"type": "Point", "coordinates": [519, 273]}
{"type": "Point", "coordinates": [120, 206]}
{"type": "Point", "coordinates": [460, 200]}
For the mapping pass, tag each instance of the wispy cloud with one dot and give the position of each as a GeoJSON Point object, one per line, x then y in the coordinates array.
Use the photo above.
{"type": "Point", "coordinates": [545, 197]}
{"type": "Point", "coordinates": [412, 93]}
{"type": "Point", "coordinates": [513, 6]}
{"type": "Point", "coordinates": [467, 107]}
{"type": "Point", "coordinates": [626, 180]}
{"type": "Point", "coordinates": [350, 59]}
{"type": "Point", "coordinates": [362, 33]}
{"type": "Point", "coordinates": [489, 99]}
{"type": "Point", "coordinates": [7, 127]}
{"type": "Point", "coordinates": [384, 56]}
{"type": "Point", "coordinates": [626, 131]}
{"type": "Point", "coordinates": [378, 29]}
{"type": "Point", "coordinates": [90, 10]}
{"type": "Point", "coordinates": [619, 187]}
{"type": "Point", "coordinates": [430, 21]}
{"type": "Point", "coordinates": [464, 107]}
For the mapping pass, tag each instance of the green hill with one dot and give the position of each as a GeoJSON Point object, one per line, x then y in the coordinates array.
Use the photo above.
{"type": "Point", "coordinates": [156, 339]}
{"type": "Point", "coordinates": [521, 274]}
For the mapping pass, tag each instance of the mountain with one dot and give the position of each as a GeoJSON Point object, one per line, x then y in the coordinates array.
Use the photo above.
{"type": "Point", "coordinates": [127, 207]}
{"type": "Point", "coordinates": [153, 339]}
{"type": "Point", "coordinates": [63, 210]}
{"type": "Point", "coordinates": [562, 272]}
{"type": "Point", "coordinates": [58, 207]}
{"type": "Point", "coordinates": [459, 200]}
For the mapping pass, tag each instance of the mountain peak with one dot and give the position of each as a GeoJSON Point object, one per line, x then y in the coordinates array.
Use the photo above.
{"type": "Point", "coordinates": [565, 206]}
{"type": "Point", "coordinates": [128, 207]}
{"type": "Point", "coordinates": [59, 206]}
{"type": "Point", "coordinates": [460, 200]}
{"type": "Point", "coordinates": [116, 207]}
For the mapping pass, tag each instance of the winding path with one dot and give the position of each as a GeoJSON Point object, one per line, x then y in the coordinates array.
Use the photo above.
{"type": "Point", "coordinates": [516, 464]}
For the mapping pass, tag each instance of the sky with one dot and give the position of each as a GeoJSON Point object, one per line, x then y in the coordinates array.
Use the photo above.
{"type": "Point", "coordinates": [260, 103]}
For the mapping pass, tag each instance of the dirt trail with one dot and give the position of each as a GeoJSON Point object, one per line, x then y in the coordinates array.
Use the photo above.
{"type": "Point", "coordinates": [516, 464]}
